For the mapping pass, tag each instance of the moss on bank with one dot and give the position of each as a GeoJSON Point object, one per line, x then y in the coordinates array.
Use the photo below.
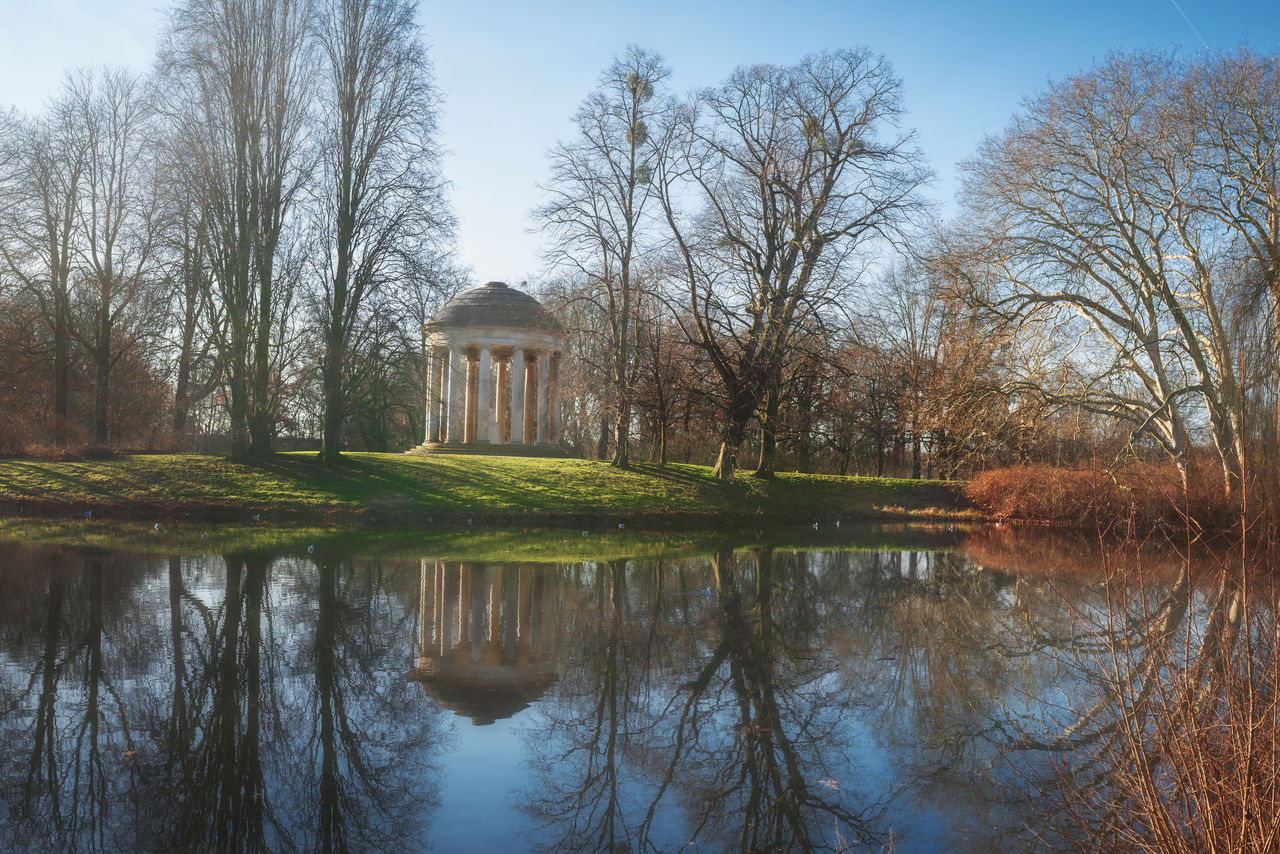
{"type": "Point", "coordinates": [395, 489]}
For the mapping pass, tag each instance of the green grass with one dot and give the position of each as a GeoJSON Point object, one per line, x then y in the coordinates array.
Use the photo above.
{"type": "Point", "coordinates": [460, 544]}
{"type": "Point", "coordinates": [399, 489]}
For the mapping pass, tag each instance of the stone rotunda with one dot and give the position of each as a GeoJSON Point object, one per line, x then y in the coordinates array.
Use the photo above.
{"type": "Point", "coordinates": [494, 357]}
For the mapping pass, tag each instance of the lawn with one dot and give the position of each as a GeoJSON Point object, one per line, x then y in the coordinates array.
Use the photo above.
{"type": "Point", "coordinates": [397, 488]}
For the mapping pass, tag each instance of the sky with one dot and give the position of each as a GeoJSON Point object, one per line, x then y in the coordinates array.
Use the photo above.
{"type": "Point", "coordinates": [512, 72]}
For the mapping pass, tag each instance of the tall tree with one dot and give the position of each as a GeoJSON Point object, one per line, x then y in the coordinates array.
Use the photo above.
{"type": "Point", "coordinates": [381, 213]}
{"type": "Point", "coordinates": [116, 223]}
{"type": "Point", "coordinates": [796, 172]}
{"type": "Point", "coordinates": [599, 214]}
{"type": "Point", "coordinates": [1100, 213]}
{"type": "Point", "coordinates": [42, 184]}
{"type": "Point", "coordinates": [1233, 142]}
{"type": "Point", "coordinates": [184, 272]}
{"type": "Point", "coordinates": [237, 87]}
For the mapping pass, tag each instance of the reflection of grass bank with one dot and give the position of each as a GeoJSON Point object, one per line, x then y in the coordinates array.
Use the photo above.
{"type": "Point", "coordinates": [390, 489]}
{"type": "Point", "coordinates": [459, 544]}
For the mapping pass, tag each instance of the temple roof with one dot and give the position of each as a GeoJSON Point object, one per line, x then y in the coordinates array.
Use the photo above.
{"type": "Point", "coordinates": [495, 304]}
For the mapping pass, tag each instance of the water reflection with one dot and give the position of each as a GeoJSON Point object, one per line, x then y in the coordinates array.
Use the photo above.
{"type": "Point", "coordinates": [484, 650]}
{"type": "Point", "coordinates": [758, 699]}
{"type": "Point", "coordinates": [247, 703]}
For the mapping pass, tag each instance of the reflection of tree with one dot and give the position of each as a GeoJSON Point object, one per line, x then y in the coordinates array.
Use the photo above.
{"type": "Point", "coordinates": [275, 715]}
{"type": "Point", "coordinates": [582, 799]}
{"type": "Point", "coordinates": [1178, 749]}
{"type": "Point", "coordinates": [774, 780]}
{"type": "Point", "coordinates": [1160, 746]}
{"type": "Point", "coordinates": [367, 795]}
{"type": "Point", "coordinates": [744, 748]}
{"type": "Point", "coordinates": [78, 747]}
{"type": "Point", "coordinates": [223, 795]}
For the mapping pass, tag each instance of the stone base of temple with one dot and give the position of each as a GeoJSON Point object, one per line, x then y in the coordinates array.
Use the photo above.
{"type": "Point", "coordinates": [488, 449]}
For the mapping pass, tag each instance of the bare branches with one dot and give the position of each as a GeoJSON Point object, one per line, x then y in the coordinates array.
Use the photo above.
{"type": "Point", "coordinates": [794, 171]}
{"type": "Point", "coordinates": [379, 208]}
{"type": "Point", "coordinates": [600, 215]}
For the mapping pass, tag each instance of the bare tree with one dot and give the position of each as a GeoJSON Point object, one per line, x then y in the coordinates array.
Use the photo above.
{"type": "Point", "coordinates": [796, 172]}
{"type": "Point", "coordinates": [380, 211]}
{"type": "Point", "coordinates": [183, 269]}
{"type": "Point", "coordinates": [1092, 222]}
{"type": "Point", "coordinates": [42, 185]}
{"type": "Point", "coordinates": [599, 213]}
{"type": "Point", "coordinates": [237, 83]}
{"type": "Point", "coordinates": [116, 223]}
{"type": "Point", "coordinates": [1233, 142]}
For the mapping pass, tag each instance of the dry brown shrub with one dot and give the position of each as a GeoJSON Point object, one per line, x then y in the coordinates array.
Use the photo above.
{"type": "Point", "coordinates": [1136, 496]}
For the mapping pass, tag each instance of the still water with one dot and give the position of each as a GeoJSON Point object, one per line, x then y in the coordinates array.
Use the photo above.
{"type": "Point", "coordinates": [848, 695]}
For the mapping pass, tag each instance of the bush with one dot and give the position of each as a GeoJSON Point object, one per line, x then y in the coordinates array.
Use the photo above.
{"type": "Point", "coordinates": [1136, 496]}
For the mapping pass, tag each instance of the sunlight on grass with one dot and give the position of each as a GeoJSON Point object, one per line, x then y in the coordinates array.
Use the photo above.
{"type": "Point", "coordinates": [379, 487]}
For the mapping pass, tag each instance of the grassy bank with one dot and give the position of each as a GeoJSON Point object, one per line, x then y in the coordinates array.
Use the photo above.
{"type": "Point", "coordinates": [467, 543]}
{"type": "Point", "coordinates": [382, 489]}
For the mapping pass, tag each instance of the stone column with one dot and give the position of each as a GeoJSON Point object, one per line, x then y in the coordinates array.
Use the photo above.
{"type": "Point", "coordinates": [544, 395]}
{"type": "Point", "coordinates": [435, 392]}
{"type": "Point", "coordinates": [484, 383]}
{"type": "Point", "coordinates": [531, 398]}
{"type": "Point", "coordinates": [554, 396]}
{"type": "Point", "coordinates": [500, 434]}
{"type": "Point", "coordinates": [517, 398]}
{"type": "Point", "coordinates": [469, 412]}
{"type": "Point", "coordinates": [457, 393]}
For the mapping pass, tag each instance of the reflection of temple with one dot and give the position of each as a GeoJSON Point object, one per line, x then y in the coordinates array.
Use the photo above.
{"type": "Point", "coordinates": [483, 647]}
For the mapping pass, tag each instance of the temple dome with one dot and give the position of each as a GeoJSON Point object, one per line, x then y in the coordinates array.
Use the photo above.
{"type": "Point", "coordinates": [495, 304]}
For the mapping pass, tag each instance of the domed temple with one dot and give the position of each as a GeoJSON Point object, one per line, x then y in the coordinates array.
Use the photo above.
{"type": "Point", "coordinates": [494, 356]}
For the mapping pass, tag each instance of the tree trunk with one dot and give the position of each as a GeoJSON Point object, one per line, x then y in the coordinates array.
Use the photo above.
{"type": "Point", "coordinates": [622, 435]}
{"type": "Point", "coordinates": [182, 395]}
{"type": "Point", "coordinates": [239, 408]}
{"type": "Point", "coordinates": [61, 376]}
{"type": "Point", "coordinates": [768, 453]}
{"type": "Point", "coordinates": [101, 385]}
{"type": "Point", "coordinates": [734, 434]}
{"type": "Point", "coordinates": [102, 370]}
{"type": "Point", "coordinates": [602, 444]}
{"type": "Point", "coordinates": [260, 396]}
{"type": "Point", "coordinates": [334, 402]}
{"type": "Point", "coordinates": [768, 437]}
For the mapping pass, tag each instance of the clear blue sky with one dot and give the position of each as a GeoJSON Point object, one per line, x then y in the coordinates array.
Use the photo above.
{"type": "Point", "coordinates": [513, 71]}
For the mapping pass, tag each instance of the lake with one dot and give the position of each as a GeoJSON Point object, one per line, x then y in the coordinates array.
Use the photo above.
{"type": "Point", "coordinates": [847, 691]}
